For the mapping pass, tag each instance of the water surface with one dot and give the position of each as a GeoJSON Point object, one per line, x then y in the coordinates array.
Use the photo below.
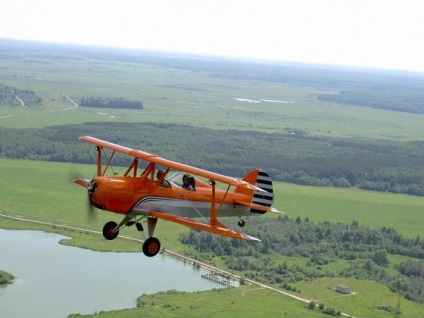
{"type": "Point", "coordinates": [55, 280]}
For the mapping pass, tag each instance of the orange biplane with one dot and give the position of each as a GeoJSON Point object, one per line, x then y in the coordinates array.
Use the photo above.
{"type": "Point", "coordinates": [152, 195]}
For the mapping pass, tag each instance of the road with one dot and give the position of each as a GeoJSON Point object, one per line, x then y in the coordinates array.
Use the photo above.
{"type": "Point", "coordinates": [74, 103]}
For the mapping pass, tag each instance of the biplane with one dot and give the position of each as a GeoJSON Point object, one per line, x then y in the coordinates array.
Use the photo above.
{"type": "Point", "coordinates": [151, 193]}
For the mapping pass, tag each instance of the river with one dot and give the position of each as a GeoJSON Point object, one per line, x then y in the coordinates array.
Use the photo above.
{"type": "Point", "coordinates": [54, 280]}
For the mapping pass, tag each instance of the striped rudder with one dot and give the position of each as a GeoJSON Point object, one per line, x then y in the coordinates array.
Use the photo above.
{"type": "Point", "coordinates": [263, 198]}
{"type": "Point", "coordinates": [264, 182]}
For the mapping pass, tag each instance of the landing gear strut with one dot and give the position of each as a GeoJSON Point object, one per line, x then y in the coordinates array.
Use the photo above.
{"type": "Point", "coordinates": [151, 246]}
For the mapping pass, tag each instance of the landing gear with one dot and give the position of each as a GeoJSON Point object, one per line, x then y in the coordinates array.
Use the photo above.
{"type": "Point", "coordinates": [241, 223]}
{"type": "Point", "coordinates": [108, 231]}
{"type": "Point", "coordinates": [151, 246]}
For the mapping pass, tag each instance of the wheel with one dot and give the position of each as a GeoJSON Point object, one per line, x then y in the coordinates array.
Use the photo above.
{"type": "Point", "coordinates": [241, 223]}
{"type": "Point", "coordinates": [108, 230]}
{"type": "Point", "coordinates": [151, 246]}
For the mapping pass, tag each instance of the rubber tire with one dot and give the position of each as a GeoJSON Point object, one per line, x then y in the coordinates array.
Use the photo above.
{"type": "Point", "coordinates": [151, 246]}
{"type": "Point", "coordinates": [108, 231]}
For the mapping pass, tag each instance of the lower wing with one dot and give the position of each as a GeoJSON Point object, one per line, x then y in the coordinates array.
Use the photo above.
{"type": "Point", "coordinates": [218, 228]}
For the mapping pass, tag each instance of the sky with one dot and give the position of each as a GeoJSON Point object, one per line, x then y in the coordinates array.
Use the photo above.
{"type": "Point", "coordinates": [385, 34]}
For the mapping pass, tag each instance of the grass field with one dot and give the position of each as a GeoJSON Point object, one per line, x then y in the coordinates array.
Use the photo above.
{"type": "Point", "coordinates": [365, 300]}
{"type": "Point", "coordinates": [185, 97]}
{"type": "Point", "coordinates": [247, 301]}
{"type": "Point", "coordinates": [43, 191]}
{"type": "Point", "coordinates": [374, 209]}
{"type": "Point", "coordinates": [253, 301]}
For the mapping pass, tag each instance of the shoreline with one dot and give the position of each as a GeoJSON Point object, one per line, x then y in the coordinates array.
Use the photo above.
{"type": "Point", "coordinates": [210, 268]}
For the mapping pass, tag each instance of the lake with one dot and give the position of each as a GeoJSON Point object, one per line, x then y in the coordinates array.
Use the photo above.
{"type": "Point", "coordinates": [54, 280]}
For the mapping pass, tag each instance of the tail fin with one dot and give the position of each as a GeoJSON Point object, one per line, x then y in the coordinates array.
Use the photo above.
{"type": "Point", "coordinates": [260, 198]}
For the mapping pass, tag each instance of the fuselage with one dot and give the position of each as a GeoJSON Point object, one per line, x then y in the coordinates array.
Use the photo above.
{"type": "Point", "coordinates": [138, 195]}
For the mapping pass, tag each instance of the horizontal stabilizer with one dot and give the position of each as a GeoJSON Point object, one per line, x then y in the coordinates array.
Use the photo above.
{"type": "Point", "coordinates": [220, 229]}
{"type": "Point", "coordinates": [262, 209]}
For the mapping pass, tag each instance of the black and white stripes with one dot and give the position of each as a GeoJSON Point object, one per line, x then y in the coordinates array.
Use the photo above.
{"type": "Point", "coordinates": [266, 197]}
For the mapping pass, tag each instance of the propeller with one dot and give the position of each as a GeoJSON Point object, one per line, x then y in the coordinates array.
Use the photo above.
{"type": "Point", "coordinates": [91, 188]}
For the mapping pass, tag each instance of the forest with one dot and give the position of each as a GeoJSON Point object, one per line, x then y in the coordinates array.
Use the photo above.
{"type": "Point", "coordinates": [13, 96]}
{"type": "Point", "coordinates": [388, 166]}
{"type": "Point", "coordinates": [322, 243]}
{"type": "Point", "coordinates": [105, 102]}
{"type": "Point", "coordinates": [409, 100]}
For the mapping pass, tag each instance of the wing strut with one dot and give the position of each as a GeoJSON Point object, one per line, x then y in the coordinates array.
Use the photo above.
{"type": "Point", "coordinates": [214, 220]}
{"type": "Point", "coordinates": [99, 160]}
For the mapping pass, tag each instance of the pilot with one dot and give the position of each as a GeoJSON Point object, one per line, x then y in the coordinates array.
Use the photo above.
{"type": "Point", "coordinates": [164, 183]}
{"type": "Point", "coordinates": [159, 174]}
{"type": "Point", "coordinates": [188, 183]}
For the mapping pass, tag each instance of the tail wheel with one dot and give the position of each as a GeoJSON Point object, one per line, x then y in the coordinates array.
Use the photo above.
{"type": "Point", "coordinates": [108, 230]}
{"type": "Point", "coordinates": [151, 246]}
{"type": "Point", "coordinates": [241, 223]}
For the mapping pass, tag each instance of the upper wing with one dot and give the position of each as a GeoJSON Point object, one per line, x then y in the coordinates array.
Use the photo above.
{"type": "Point", "coordinates": [169, 163]}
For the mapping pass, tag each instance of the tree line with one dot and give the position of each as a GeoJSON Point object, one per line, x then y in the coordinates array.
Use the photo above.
{"type": "Point", "coordinates": [373, 165]}
{"type": "Point", "coordinates": [107, 102]}
{"type": "Point", "coordinates": [404, 100]}
{"type": "Point", "coordinates": [320, 243]}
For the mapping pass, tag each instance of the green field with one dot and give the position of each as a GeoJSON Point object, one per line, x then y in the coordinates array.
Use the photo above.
{"type": "Point", "coordinates": [65, 203]}
{"type": "Point", "coordinates": [373, 209]}
{"type": "Point", "coordinates": [251, 301]}
{"type": "Point", "coordinates": [50, 196]}
{"type": "Point", "coordinates": [203, 93]}
{"type": "Point", "coordinates": [248, 301]}
{"type": "Point", "coordinates": [182, 96]}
